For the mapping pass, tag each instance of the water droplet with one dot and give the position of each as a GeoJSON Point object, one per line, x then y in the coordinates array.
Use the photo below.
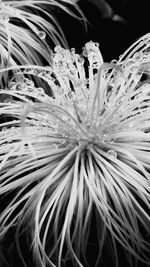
{"type": "Point", "coordinates": [73, 51]}
{"type": "Point", "coordinates": [4, 18]}
{"type": "Point", "coordinates": [96, 44]}
{"type": "Point", "coordinates": [40, 95]}
{"type": "Point", "coordinates": [40, 90]}
{"type": "Point", "coordinates": [106, 139]}
{"type": "Point", "coordinates": [4, 129]}
{"type": "Point", "coordinates": [112, 153]}
{"type": "Point", "coordinates": [81, 60]}
{"type": "Point", "coordinates": [29, 90]}
{"type": "Point", "coordinates": [114, 61]}
{"type": "Point", "coordinates": [42, 35]}
{"type": "Point", "coordinates": [19, 78]}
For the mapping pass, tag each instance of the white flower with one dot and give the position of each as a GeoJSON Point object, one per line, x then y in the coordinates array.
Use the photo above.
{"type": "Point", "coordinates": [78, 148]}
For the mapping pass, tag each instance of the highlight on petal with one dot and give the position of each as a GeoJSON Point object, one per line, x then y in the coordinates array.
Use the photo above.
{"type": "Point", "coordinates": [77, 149]}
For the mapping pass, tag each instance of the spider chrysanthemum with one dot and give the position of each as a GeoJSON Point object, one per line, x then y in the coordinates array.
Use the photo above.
{"type": "Point", "coordinates": [79, 148]}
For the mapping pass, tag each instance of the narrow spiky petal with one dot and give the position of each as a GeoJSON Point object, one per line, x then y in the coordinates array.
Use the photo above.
{"type": "Point", "coordinates": [78, 149]}
{"type": "Point", "coordinates": [26, 27]}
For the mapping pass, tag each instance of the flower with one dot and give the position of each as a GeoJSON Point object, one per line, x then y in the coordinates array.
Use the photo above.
{"type": "Point", "coordinates": [78, 148]}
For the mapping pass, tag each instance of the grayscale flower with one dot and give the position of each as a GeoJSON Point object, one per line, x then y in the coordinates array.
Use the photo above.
{"type": "Point", "coordinates": [81, 148]}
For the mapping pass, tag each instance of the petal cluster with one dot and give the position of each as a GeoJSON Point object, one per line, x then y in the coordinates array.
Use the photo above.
{"type": "Point", "coordinates": [78, 147]}
{"type": "Point", "coordinates": [26, 29]}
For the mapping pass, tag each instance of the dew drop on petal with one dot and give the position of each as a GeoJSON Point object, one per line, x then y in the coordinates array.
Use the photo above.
{"type": "Point", "coordinates": [112, 154]}
{"type": "Point", "coordinates": [114, 61]}
{"type": "Point", "coordinates": [81, 60]}
{"type": "Point", "coordinates": [4, 129]}
{"type": "Point", "coordinates": [4, 18]}
{"type": "Point", "coordinates": [106, 139]}
{"type": "Point", "coordinates": [41, 35]}
{"type": "Point", "coordinates": [73, 51]}
{"type": "Point", "coordinates": [40, 90]}
{"type": "Point", "coordinates": [19, 78]}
